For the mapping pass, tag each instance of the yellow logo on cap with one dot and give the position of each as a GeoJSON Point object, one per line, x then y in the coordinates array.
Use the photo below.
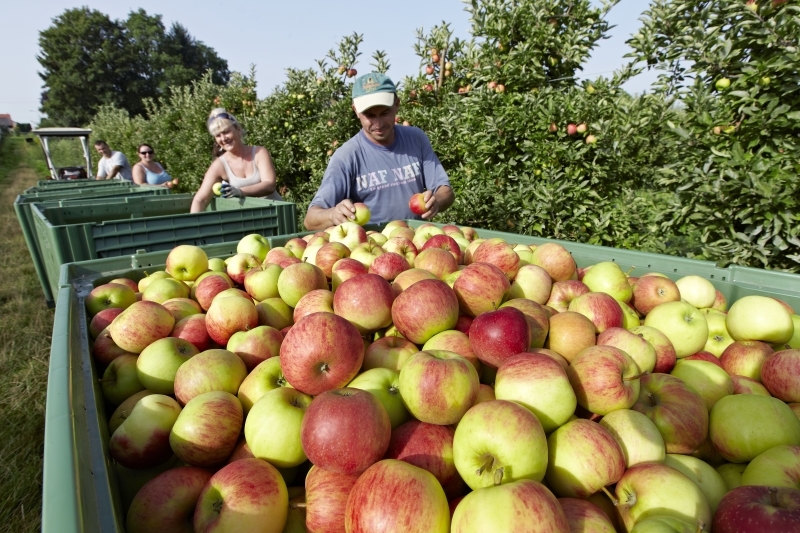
{"type": "Point", "coordinates": [370, 85]}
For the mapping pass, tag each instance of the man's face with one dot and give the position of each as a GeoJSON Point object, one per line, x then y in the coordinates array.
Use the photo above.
{"type": "Point", "coordinates": [378, 123]}
{"type": "Point", "coordinates": [103, 150]}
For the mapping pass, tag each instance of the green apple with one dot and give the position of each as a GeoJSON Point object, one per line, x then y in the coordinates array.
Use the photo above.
{"type": "Point", "coordinates": [655, 489]}
{"type": "Point", "coordinates": [384, 384]}
{"type": "Point", "coordinates": [207, 429]}
{"type": "Point", "coordinates": [525, 253]}
{"type": "Point", "coordinates": [161, 290]}
{"type": "Point", "coordinates": [709, 380]}
{"type": "Point", "coordinates": [718, 336]}
{"type": "Point", "coordinates": [641, 351]}
{"type": "Point", "coordinates": [262, 283]}
{"type": "Point", "coordinates": [151, 277]}
{"type": "Point", "coordinates": [211, 370]}
{"type": "Point", "coordinates": [583, 457]}
{"type": "Point", "coordinates": [120, 380]}
{"type": "Point", "coordinates": [109, 295]}
{"type": "Point", "coordinates": [665, 524]}
{"type": "Point", "coordinates": [703, 474]}
{"type": "Point", "coordinates": [731, 473]}
{"type": "Point", "coordinates": [438, 386]}
{"type": "Point", "coordinates": [607, 277]}
{"type": "Point", "coordinates": [159, 362]}
{"type": "Point", "coordinates": [630, 319]}
{"type": "Point", "coordinates": [760, 318]}
{"type": "Point", "coordinates": [272, 428]}
{"type": "Point", "coordinates": [217, 188]}
{"type": "Point", "coordinates": [275, 313]}
{"type": "Point", "coordinates": [297, 280]}
{"type": "Point", "coordinates": [256, 345]}
{"type": "Point", "coordinates": [696, 291]}
{"type": "Point", "coordinates": [685, 326]}
{"type": "Point", "coordinates": [141, 440]}
{"type": "Point", "coordinates": [586, 516]}
{"type": "Point", "coordinates": [124, 409]}
{"type": "Point", "coordinates": [531, 282]}
{"type": "Point", "coordinates": [499, 442]}
{"type": "Point", "coordinates": [262, 379]}
{"type": "Point", "coordinates": [524, 505]}
{"type": "Point", "coordinates": [744, 426]}
{"type": "Point", "coordinates": [255, 244]}
{"type": "Point", "coordinates": [776, 467]}
{"type": "Point", "coordinates": [186, 262]}
{"type": "Point", "coordinates": [637, 436]}
{"type": "Point", "coordinates": [362, 214]}
{"type": "Point", "coordinates": [539, 383]}
{"type": "Point", "coordinates": [217, 264]}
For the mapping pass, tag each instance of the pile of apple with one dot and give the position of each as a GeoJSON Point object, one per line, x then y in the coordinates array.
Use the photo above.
{"type": "Point", "coordinates": [438, 381]}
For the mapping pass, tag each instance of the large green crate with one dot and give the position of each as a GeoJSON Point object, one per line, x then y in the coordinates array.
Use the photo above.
{"type": "Point", "coordinates": [113, 229]}
{"type": "Point", "coordinates": [22, 206]}
{"type": "Point", "coordinates": [76, 432]}
{"type": "Point", "coordinates": [52, 185]}
{"type": "Point", "coordinates": [81, 489]}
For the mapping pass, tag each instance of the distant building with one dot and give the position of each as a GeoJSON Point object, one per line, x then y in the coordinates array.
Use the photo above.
{"type": "Point", "coordinates": [5, 122]}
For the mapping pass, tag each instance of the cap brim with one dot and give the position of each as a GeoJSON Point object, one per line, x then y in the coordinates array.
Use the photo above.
{"type": "Point", "coordinates": [362, 103]}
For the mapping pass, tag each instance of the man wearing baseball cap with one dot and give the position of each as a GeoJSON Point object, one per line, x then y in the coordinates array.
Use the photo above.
{"type": "Point", "coordinates": [383, 165]}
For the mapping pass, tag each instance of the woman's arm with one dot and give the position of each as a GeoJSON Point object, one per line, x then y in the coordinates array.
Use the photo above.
{"type": "Point", "coordinates": [139, 174]}
{"type": "Point", "coordinates": [204, 194]}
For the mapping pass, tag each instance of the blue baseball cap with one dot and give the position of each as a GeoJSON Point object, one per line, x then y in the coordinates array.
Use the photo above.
{"type": "Point", "coordinates": [373, 89]}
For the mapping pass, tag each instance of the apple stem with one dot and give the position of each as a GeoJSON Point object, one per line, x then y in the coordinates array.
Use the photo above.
{"type": "Point", "coordinates": [297, 505]}
{"type": "Point", "coordinates": [700, 526]}
{"type": "Point", "coordinates": [613, 499]}
{"type": "Point", "coordinates": [630, 270]}
{"type": "Point", "coordinates": [773, 496]}
{"type": "Point", "coordinates": [498, 476]}
{"type": "Point", "coordinates": [488, 464]}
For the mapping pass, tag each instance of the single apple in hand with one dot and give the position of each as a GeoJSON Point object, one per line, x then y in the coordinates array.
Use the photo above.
{"type": "Point", "coordinates": [417, 204]}
{"type": "Point", "coordinates": [362, 213]}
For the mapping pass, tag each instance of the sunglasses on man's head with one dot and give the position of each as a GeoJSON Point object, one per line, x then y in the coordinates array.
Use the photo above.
{"type": "Point", "coordinates": [146, 152]}
{"type": "Point", "coordinates": [222, 115]}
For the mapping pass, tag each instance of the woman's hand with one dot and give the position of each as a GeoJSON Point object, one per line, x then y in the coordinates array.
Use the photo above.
{"type": "Point", "coordinates": [228, 191]}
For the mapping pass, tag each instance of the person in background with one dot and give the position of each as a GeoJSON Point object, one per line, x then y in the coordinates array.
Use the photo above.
{"type": "Point", "coordinates": [112, 164]}
{"type": "Point", "coordinates": [383, 165]}
{"type": "Point", "coordinates": [148, 171]}
{"type": "Point", "coordinates": [244, 170]}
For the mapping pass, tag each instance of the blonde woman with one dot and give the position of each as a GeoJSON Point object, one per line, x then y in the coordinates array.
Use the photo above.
{"type": "Point", "coordinates": [242, 169]}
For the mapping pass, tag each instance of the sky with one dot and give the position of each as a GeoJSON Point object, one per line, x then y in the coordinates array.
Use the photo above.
{"type": "Point", "coordinates": [275, 35]}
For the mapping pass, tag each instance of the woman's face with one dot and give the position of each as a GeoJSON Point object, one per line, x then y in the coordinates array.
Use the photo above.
{"type": "Point", "coordinates": [228, 138]}
{"type": "Point", "coordinates": [146, 154]}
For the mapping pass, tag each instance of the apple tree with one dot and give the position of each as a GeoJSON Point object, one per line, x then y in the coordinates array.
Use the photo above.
{"type": "Point", "coordinates": [731, 67]}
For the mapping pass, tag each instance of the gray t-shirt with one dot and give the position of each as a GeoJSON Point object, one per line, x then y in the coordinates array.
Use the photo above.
{"type": "Point", "coordinates": [383, 177]}
{"type": "Point", "coordinates": [117, 159]}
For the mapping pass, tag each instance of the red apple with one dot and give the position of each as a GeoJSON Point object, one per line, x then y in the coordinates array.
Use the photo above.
{"type": "Point", "coordinates": [417, 204]}
{"type": "Point", "coordinates": [366, 301]}
{"type": "Point", "coordinates": [166, 503]}
{"type": "Point", "coordinates": [497, 335]}
{"type": "Point", "coordinates": [563, 292]}
{"type": "Point", "coordinates": [780, 374]}
{"type": "Point", "coordinates": [102, 320]}
{"type": "Point", "coordinates": [256, 345]}
{"type": "Point", "coordinates": [240, 264]}
{"type": "Point", "coordinates": [665, 352]}
{"type": "Point", "coordinates": [437, 261]}
{"type": "Point", "coordinates": [209, 287]}
{"type": "Point", "coordinates": [407, 278]}
{"type": "Point", "coordinates": [326, 499]}
{"type": "Point", "coordinates": [650, 291]}
{"type": "Point", "coordinates": [703, 356]}
{"type": "Point", "coordinates": [316, 301]}
{"type": "Point", "coordinates": [344, 269]}
{"type": "Point", "coordinates": [463, 324]}
{"type": "Point", "coordinates": [425, 309]}
{"type": "Point", "coordinates": [396, 496]}
{"type": "Point", "coordinates": [500, 254]}
{"type": "Point", "coordinates": [430, 447]}
{"type": "Point", "coordinates": [140, 325]}
{"type": "Point", "coordinates": [446, 243]}
{"type": "Point", "coordinates": [322, 351]}
{"type": "Point", "coordinates": [758, 509]}
{"type": "Point", "coordinates": [603, 310]}
{"type": "Point", "coordinates": [193, 329]}
{"type": "Point", "coordinates": [345, 430]}
{"type": "Point", "coordinates": [388, 352]}
{"type": "Point", "coordinates": [605, 379]}
{"type": "Point", "coordinates": [402, 246]}
{"type": "Point", "coordinates": [480, 288]}
{"type": "Point", "coordinates": [389, 265]}
{"type": "Point", "coordinates": [228, 315]}
{"type": "Point", "coordinates": [745, 358]}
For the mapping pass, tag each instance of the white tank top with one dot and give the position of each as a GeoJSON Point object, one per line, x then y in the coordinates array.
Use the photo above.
{"type": "Point", "coordinates": [253, 179]}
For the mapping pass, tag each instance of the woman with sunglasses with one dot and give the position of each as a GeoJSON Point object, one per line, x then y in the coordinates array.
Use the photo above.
{"type": "Point", "coordinates": [148, 171]}
{"type": "Point", "coordinates": [243, 170]}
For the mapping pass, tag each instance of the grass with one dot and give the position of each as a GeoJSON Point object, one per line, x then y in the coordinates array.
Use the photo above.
{"type": "Point", "coordinates": [25, 329]}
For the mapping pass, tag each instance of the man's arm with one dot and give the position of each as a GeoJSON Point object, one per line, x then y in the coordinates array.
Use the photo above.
{"type": "Point", "coordinates": [438, 201]}
{"type": "Point", "coordinates": [318, 218]}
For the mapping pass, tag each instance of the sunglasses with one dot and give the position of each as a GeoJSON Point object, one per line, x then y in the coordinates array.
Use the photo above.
{"type": "Point", "coordinates": [147, 152]}
{"type": "Point", "coordinates": [222, 115]}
